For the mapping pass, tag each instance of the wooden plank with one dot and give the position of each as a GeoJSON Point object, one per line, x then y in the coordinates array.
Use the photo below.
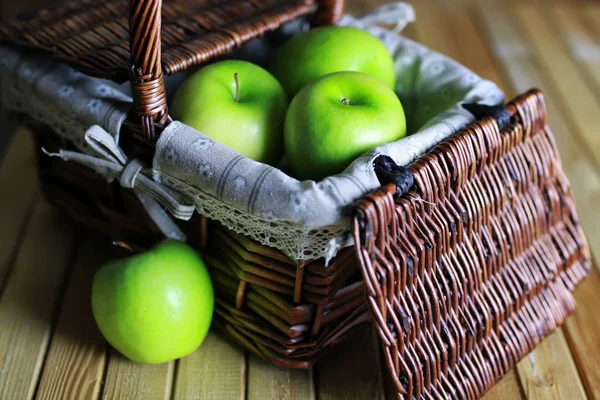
{"type": "Point", "coordinates": [509, 387]}
{"type": "Point", "coordinates": [265, 382]}
{"type": "Point", "coordinates": [28, 304]}
{"type": "Point", "coordinates": [471, 49]}
{"type": "Point", "coordinates": [582, 334]}
{"type": "Point", "coordinates": [593, 13]}
{"type": "Point", "coordinates": [126, 380]}
{"type": "Point", "coordinates": [428, 28]}
{"type": "Point", "coordinates": [519, 62]}
{"type": "Point", "coordinates": [76, 356]}
{"type": "Point", "coordinates": [18, 180]}
{"type": "Point", "coordinates": [217, 370]}
{"type": "Point", "coordinates": [570, 19]}
{"type": "Point", "coordinates": [549, 371]}
{"type": "Point", "coordinates": [351, 370]}
{"type": "Point", "coordinates": [574, 93]}
{"type": "Point", "coordinates": [470, 31]}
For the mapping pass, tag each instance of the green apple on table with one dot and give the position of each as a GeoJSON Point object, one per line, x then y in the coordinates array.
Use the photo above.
{"type": "Point", "coordinates": [322, 51]}
{"type": "Point", "coordinates": [155, 306]}
{"type": "Point", "coordinates": [335, 119]}
{"type": "Point", "coordinates": [238, 104]}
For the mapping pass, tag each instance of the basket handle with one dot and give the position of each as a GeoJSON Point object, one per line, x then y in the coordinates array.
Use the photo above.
{"type": "Point", "coordinates": [145, 71]}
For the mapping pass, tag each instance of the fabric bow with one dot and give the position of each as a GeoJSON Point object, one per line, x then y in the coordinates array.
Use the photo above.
{"type": "Point", "coordinates": [114, 164]}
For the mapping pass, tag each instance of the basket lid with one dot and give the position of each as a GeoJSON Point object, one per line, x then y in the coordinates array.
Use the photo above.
{"type": "Point", "coordinates": [93, 36]}
{"type": "Point", "coordinates": [464, 273]}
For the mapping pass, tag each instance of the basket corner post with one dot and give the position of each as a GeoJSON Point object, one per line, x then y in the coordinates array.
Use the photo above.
{"type": "Point", "coordinates": [329, 12]}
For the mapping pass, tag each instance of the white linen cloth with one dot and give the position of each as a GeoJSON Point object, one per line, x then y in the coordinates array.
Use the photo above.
{"type": "Point", "coordinates": [306, 219]}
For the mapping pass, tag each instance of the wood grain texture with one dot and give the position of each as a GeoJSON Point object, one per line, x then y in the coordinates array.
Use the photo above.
{"type": "Point", "coordinates": [574, 92]}
{"type": "Point", "coordinates": [464, 32]}
{"type": "Point", "coordinates": [217, 370]}
{"type": "Point", "coordinates": [266, 382]}
{"type": "Point", "coordinates": [18, 176]}
{"type": "Point", "coordinates": [549, 372]}
{"type": "Point", "coordinates": [521, 65]}
{"type": "Point", "coordinates": [351, 370]}
{"type": "Point", "coordinates": [581, 332]}
{"type": "Point", "coordinates": [28, 303]}
{"type": "Point", "coordinates": [126, 380]}
{"type": "Point", "coordinates": [471, 49]}
{"type": "Point", "coordinates": [592, 11]}
{"type": "Point", "coordinates": [76, 356]}
{"type": "Point", "coordinates": [578, 36]}
{"type": "Point", "coordinates": [509, 387]}
{"type": "Point", "coordinates": [430, 30]}
{"type": "Point", "coordinates": [523, 59]}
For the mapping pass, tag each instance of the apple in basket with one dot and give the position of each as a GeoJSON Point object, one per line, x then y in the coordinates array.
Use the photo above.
{"type": "Point", "coordinates": [335, 119]}
{"type": "Point", "coordinates": [155, 306]}
{"type": "Point", "coordinates": [322, 51]}
{"type": "Point", "coordinates": [238, 104]}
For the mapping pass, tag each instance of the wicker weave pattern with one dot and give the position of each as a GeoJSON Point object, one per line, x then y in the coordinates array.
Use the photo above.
{"type": "Point", "coordinates": [96, 38]}
{"type": "Point", "coordinates": [94, 35]}
{"type": "Point", "coordinates": [284, 311]}
{"type": "Point", "coordinates": [281, 310]}
{"type": "Point", "coordinates": [466, 275]}
{"type": "Point", "coordinates": [471, 283]}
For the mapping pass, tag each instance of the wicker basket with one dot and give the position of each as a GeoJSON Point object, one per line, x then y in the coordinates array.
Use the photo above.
{"type": "Point", "coordinates": [464, 274]}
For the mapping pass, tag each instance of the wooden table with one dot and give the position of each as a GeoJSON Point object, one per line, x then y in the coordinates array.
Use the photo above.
{"type": "Point", "coordinates": [51, 349]}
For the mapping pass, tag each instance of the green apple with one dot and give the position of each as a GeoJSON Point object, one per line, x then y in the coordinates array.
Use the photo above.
{"type": "Point", "coordinates": [322, 51]}
{"type": "Point", "coordinates": [238, 104]}
{"type": "Point", "coordinates": [155, 306]}
{"type": "Point", "coordinates": [335, 119]}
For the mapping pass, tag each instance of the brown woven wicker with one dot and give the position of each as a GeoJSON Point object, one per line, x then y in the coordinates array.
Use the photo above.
{"type": "Point", "coordinates": [98, 39]}
{"type": "Point", "coordinates": [468, 273]}
{"type": "Point", "coordinates": [463, 275]}
{"type": "Point", "coordinates": [486, 249]}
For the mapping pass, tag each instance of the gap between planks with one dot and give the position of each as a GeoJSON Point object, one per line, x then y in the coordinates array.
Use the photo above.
{"type": "Point", "coordinates": [76, 358]}
{"type": "Point", "coordinates": [521, 65]}
{"type": "Point", "coordinates": [579, 37]}
{"type": "Point", "coordinates": [352, 370]}
{"type": "Point", "coordinates": [176, 387]}
{"type": "Point", "coordinates": [28, 304]}
{"type": "Point", "coordinates": [469, 37]}
{"type": "Point", "coordinates": [18, 175]}
{"type": "Point", "coordinates": [520, 62]}
{"type": "Point", "coordinates": [575, 94]}
{"type": "Point", "coordinates": [36, 246]}
{"type": "Point", "coordinates": [216, 370]}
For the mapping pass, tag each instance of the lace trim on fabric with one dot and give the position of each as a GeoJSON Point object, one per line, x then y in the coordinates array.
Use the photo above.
{"type": "Point", "coordinates": [295, 242]}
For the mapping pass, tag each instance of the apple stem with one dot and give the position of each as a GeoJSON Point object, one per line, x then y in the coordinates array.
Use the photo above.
{"type": "Point", "coordinates": [237, 87]}
{"type": "Point", "coordinates": [345, 101]}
